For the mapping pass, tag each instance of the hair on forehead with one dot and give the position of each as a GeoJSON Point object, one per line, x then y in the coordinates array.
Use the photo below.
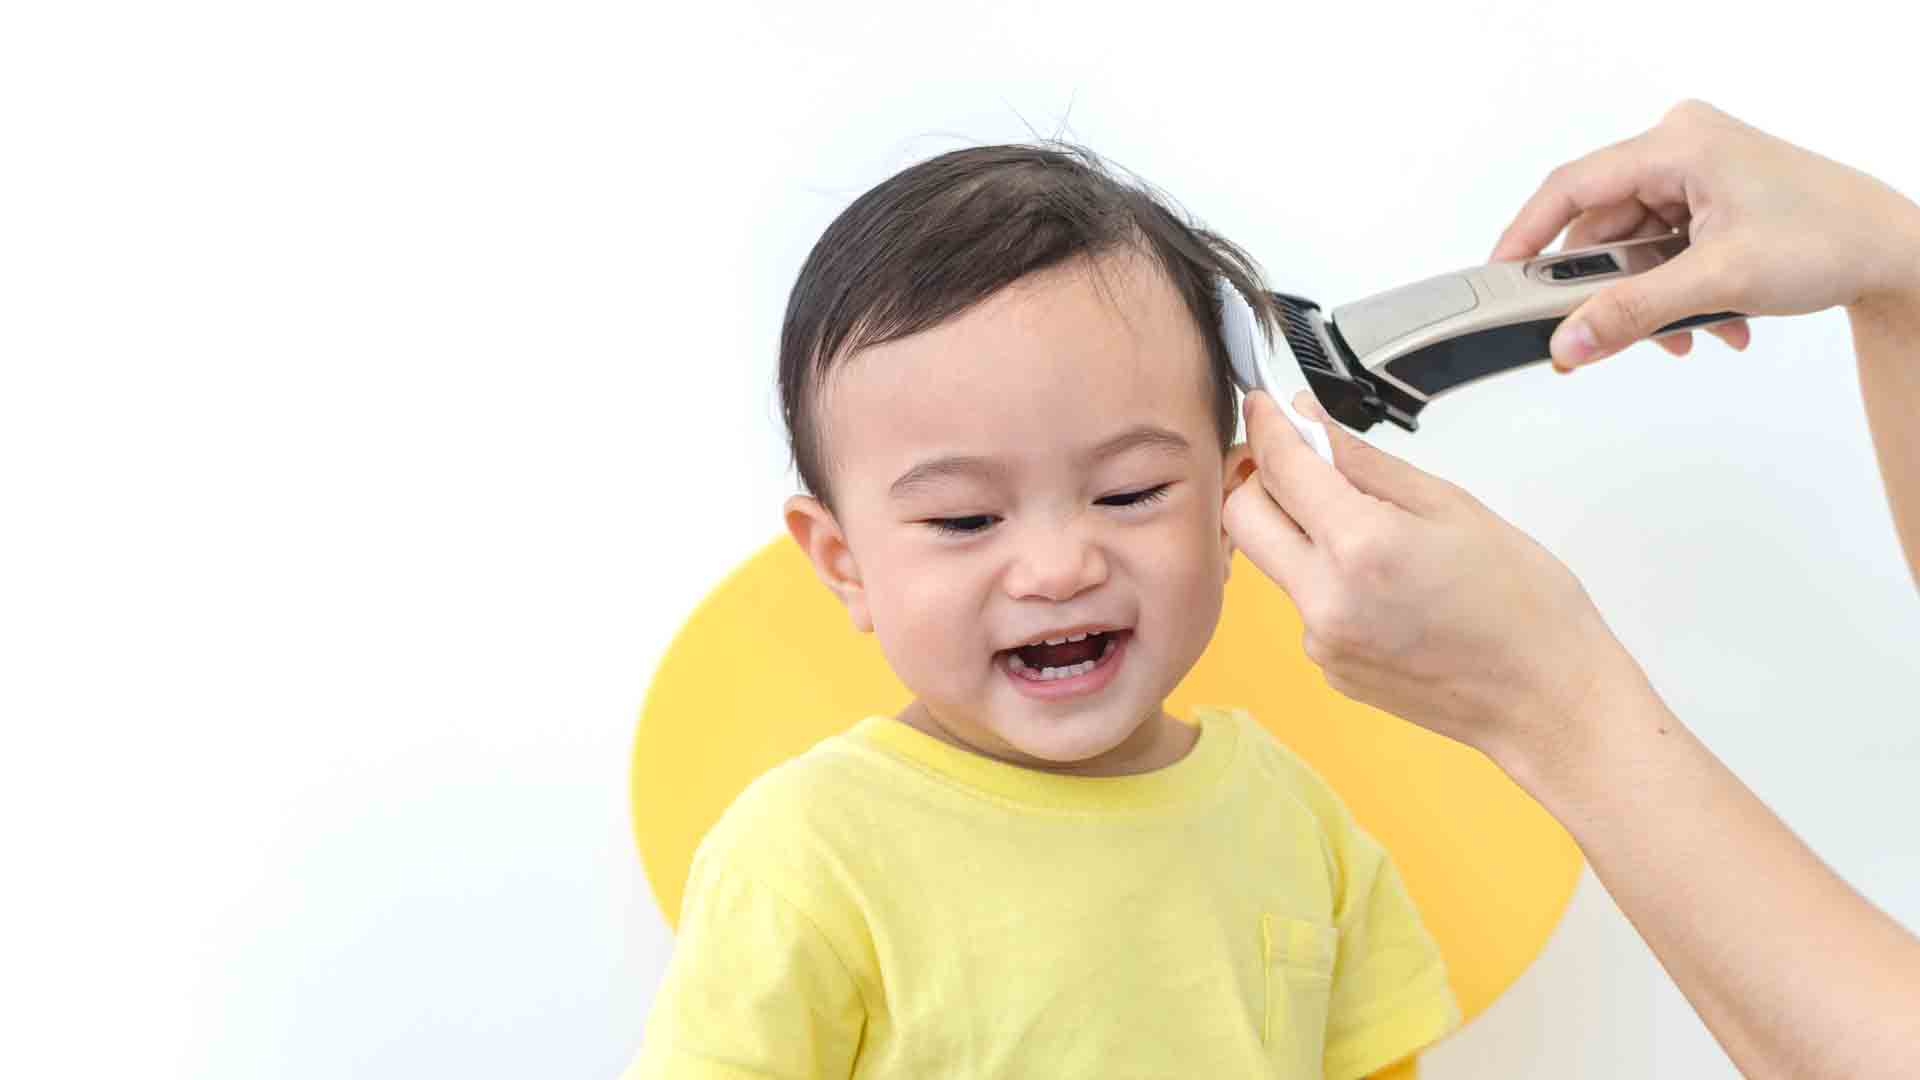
{"type": "Point", "coordinates": [939, 237]}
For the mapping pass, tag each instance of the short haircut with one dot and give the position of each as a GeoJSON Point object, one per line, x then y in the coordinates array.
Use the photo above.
{"type": "Point", "coordinates": [940, 236]}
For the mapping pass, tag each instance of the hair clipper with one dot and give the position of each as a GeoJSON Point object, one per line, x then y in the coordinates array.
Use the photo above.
{"type": "Point", "coordinates": [1387, 356]}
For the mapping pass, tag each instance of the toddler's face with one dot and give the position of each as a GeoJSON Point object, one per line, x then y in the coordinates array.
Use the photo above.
{"type": "Point", "coordinates": [1043, 466]}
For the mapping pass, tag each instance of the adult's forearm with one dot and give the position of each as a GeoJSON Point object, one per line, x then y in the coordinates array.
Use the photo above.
{"type": "Point", "coordinates": [1792, 970]}
{"type": "Point", "coordinates": [1886, 339]}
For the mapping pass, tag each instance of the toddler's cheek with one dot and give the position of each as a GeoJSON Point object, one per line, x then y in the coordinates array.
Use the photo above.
{"type": "Point", "coordinates": [1203, 558]}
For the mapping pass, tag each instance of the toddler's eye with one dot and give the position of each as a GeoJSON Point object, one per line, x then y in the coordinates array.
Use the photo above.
{"type": "Point", "coordinates": [972, 523]}
{"type": "Point", "coordinates": [1135, 498]}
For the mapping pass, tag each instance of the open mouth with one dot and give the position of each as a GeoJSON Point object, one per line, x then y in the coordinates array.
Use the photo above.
{"type": "Point", "coordinates": [1064, 658]}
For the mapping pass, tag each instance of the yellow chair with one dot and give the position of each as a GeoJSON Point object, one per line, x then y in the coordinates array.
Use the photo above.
{"type": "Point", "coordinates": [767, 666]}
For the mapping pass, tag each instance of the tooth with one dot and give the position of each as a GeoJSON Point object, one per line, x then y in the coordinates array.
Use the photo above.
{"type": "Point", "coordinates": [1014, 662]}
{"type": "Point", "coordinates": [1107, 649]}
{"type": "Point", "coordinates": [1056, 641]}
{"type": "Point", "coordinates": [1076, 637]}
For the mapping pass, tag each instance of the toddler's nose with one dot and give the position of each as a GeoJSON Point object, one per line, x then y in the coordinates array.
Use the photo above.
{"type": "Point", "coordinates": [1055, 565]}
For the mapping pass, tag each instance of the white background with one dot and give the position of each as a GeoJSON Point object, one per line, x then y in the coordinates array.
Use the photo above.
{"type": "Point", "coordinates": [384, 383]}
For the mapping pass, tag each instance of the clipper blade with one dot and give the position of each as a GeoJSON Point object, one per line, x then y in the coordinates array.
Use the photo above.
{"type": "Point", "coordinates": [1333, 374]}
{"type": "Point", "coordinates": [1252, 358]}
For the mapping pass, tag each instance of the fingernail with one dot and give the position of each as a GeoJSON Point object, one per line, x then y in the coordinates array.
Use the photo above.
{"type": "Point", "coordinates": [1574, 340]}
{"type": "Point", "coordinates": [1309, 406]}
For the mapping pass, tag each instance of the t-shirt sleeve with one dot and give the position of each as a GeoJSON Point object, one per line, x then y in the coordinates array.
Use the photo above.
{"type": "Point", "coordinates": [1390, 992]}
{"type": "Point", "coordinates": [754, 988]}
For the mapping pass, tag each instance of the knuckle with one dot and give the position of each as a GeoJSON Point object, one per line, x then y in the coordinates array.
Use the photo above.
{"type": "Point", "coordinates": [1337, 631]}
{"type": "Point", "coordinates": [1350, 547]}
{"type": "Point", "coordinates": [1365, 553]}
{"type": "Point", "coordinates": [1380, 574]}
{"type": "Point", "coordinates": [1315, 649]}
{"type": "Point", "coordinates": [1338, 683]}
{"type": "Point", "coordinates": [1324, 618]}
{"type": "Point", "coordinates": [1687, 109]}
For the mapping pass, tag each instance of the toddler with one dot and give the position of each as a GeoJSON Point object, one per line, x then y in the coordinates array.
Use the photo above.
{"type": "Point", "coordinates": [1010, 406]}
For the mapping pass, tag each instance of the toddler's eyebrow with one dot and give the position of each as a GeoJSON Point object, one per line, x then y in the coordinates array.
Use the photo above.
{"type": "Point", "coordinates": [1140, 436]}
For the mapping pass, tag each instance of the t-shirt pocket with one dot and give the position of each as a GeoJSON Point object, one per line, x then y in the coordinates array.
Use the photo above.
{"type": "Point", "coordinates": [1299, 966]}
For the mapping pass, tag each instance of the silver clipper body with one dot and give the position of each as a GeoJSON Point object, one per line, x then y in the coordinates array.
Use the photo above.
{"type": "Point", "coordinates": [1386, 357]}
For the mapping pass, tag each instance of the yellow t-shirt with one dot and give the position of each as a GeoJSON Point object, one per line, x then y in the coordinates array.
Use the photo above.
{"type": "Point", "coordinates": [887, 905]}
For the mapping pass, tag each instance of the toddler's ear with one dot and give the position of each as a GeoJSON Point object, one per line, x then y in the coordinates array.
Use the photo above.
{"type": "Point", "coordinates": [1239, 466]}
{"type": "Point", "coordinates": [819, 535]}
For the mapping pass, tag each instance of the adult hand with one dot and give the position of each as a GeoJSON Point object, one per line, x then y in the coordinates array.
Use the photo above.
{"type": "Point", "coordinates": [1420, 601]}
{"type": "Point", "coordinates": [1417, 599]}
{"type": "Point", "coordinates": [1774, 230]}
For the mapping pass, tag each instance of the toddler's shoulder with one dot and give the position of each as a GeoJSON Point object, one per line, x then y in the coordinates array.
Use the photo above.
{"type": "Point", "coordinates": [789, 819]}
{"type": "Point", "coordinates": [1276, 764]}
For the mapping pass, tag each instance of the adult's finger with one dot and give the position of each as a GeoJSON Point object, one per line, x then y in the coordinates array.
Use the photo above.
{"type": "Point", "coordinates": [1633, 308]}
{"type": "Point", "coordinates": [1629, 220]}
{"type": "Point", "coordinates": [1271, 540]}
{"type": "Point", "coordinates": [1605, 224]}
{"type": "Point", "coordinates": [1628, 170]}
{"type": "Point", "coordinates": [1378, 473]}
{"type": "Point", "coordinates": [1737, 333]}
{"type": "Point", "coordinates": [1311, 492]}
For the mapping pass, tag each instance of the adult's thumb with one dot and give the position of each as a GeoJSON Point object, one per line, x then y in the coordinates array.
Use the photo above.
{"type": "Point", "coordinates": [1632, 310]}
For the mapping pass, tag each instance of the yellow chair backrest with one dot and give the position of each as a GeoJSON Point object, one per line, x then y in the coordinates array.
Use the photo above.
{"type": "Point", "coordinates": [768, 665]}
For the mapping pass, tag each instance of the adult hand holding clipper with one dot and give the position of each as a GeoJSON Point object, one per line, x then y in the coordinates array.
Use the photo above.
{"type": "Point", "coordinates": [1419, 600]}
{"type": "Point", "coordinates": [1774, 230]}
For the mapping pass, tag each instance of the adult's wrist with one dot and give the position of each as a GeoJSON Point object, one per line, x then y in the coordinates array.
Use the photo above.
{"type": "Point", "coordinates": [1897, 295]}
{"type": "Point", "coordinates": [1893, 312]}
{"type": "Point", "coordinates": [1556, 751]}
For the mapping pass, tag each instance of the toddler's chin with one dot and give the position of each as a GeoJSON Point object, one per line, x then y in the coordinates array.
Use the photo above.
{"type": "Point", "coordinates": [1068, 740]}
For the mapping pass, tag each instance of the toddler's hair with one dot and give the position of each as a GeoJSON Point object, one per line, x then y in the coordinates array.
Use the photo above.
{"type": "Point", "coordinates": [940, 236]}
